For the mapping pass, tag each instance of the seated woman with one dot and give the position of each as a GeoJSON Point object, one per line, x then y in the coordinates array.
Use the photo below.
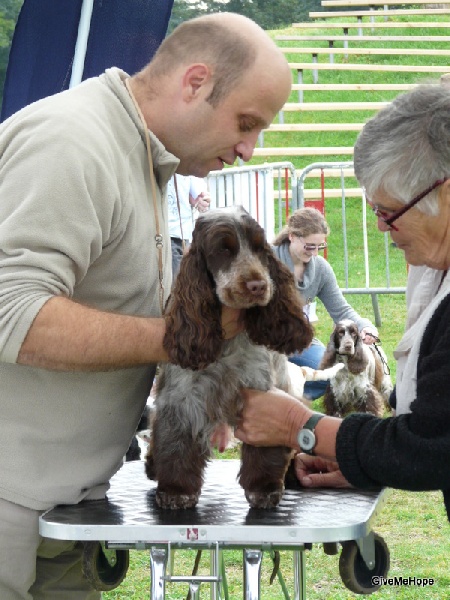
{"type": "Point", "coordinates": [298, 246]}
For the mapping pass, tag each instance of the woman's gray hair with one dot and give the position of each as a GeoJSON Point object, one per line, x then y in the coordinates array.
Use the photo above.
{"type": "Point", "coordinates": [406, 147]}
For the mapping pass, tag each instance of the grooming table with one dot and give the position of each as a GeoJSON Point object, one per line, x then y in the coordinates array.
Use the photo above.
{"type": "Point", "coordinates": [130, 519]}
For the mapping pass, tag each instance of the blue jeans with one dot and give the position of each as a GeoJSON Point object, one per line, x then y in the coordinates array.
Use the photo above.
{"type": "Point", "coordinates": [311, 357]}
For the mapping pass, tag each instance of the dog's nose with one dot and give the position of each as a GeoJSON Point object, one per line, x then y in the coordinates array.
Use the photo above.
{"type": "Point", "coordinates": [257, 287]}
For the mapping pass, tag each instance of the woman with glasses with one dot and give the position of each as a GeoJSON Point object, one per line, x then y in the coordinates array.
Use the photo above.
{"type": "Point", "coordinates": [402, 158]}
{"type": "Point", "coordinates": [298, 246]}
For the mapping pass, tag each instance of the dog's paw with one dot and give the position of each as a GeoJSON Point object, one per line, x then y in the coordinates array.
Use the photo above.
{"type": "Point", "coordinates": [176, 501]}
{"type": "Point", "coordinates": [264, 499]}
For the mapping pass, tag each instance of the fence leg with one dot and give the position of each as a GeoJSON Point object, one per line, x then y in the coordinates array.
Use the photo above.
{"type": "Point", "coordinates": [376, 309]}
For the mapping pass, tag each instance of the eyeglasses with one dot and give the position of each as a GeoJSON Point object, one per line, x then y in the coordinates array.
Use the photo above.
{"type": "Point", "coordinates": [388, 219]}
{"type": "Point", "coordinates": [310, 247]}
{"type": "Point", "coordinates": [314, 247]}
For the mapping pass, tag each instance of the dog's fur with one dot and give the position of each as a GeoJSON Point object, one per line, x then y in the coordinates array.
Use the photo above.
{"type": "Point", "coordinates": [228, 263]}
{"type": "Point", "coordinates": [363, 386]}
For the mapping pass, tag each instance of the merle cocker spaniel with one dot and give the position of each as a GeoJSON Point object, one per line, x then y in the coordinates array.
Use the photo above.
{"type": "Point", "coordinates": [228, 263]}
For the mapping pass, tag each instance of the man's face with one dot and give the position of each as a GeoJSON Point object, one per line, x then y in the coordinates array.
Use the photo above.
{"type": "Point", "coordinates": [215, 136]}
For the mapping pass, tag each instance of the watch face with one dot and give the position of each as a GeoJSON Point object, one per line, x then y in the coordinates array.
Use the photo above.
{"type": "Point", "coordinates": [306, 439]}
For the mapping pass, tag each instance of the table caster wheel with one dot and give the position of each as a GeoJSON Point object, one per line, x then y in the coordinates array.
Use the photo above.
{"type": "Point", "coordinates": [105, 569]}
{"type": "Point", "coordinates": [354, 572]}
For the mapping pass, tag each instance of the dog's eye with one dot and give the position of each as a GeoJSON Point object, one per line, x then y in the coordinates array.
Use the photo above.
{"type": "Point", "coordinates": [226, 246]}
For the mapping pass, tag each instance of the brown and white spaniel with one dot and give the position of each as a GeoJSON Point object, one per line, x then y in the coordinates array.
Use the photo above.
{"type": "Point", "coordinates": [228, 263]}
{"type": "Point", "coordinates": [364, 385]}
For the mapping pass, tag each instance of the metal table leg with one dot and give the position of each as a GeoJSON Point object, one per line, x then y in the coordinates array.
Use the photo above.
{"type": "Point", "coordinates": [194, 588]}
{"type": "Point", "coordinates": [252, 573]}
{"type": "Point", "coordinates": [214, 569]}
{"type": "Point", "coordinates": [299, 575]}
{"type": "Point", "coordinates": [158, 562]}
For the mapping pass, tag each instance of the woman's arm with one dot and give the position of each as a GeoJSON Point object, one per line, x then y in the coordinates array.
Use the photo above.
{"type": "Point", "coordinates": [334, 301]}
{"type": "Point", "coordinates": [274, 418]}
{"type": "Point", "coordinates": [409, 451]}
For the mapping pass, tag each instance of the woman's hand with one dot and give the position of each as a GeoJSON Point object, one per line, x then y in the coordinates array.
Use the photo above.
{"type": "Point", "coordinates": [270, 418]}
{"type": "Point", "coordinates": [369, 335]}
{"type": "Point", "coordinates": [315, 472]}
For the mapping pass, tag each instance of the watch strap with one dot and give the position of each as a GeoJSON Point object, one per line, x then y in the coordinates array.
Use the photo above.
{"type": "Point", "coordinates": [307, 434]}
{"type": "Point", "coordinates": [312, 421]}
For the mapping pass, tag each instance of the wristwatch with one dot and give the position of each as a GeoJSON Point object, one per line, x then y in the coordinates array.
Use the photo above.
{"type": "Point", "coordinates": [306, 437]}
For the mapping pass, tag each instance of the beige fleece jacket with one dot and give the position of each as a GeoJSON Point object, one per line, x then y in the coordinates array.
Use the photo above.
{"type": "Point", "coordinates": [76, 220]}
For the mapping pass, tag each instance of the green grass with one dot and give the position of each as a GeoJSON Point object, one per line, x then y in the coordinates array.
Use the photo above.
{"type": "Point", "coordinates": [414, 526]}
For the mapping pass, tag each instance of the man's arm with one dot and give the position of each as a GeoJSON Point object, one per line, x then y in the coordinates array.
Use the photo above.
{"type": "Point", "coordinates": [68, 336]}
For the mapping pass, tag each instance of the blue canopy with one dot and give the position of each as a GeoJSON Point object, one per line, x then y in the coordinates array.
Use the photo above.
{"type": "Point", "coordinates": [122, 33]}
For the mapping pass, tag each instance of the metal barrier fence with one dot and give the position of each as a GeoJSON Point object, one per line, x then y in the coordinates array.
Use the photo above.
{"type": "Point", "coordinates": [364, 261]}
{"type": "Point", "coordinates": [265, 191]}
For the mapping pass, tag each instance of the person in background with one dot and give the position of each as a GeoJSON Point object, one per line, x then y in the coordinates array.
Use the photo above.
{"type": "Point", "coordinates": [402, 159]}
{"type": "Point", "coordinates": [189, 194]}
{"type": "Point", "coordinates": [85, 268]}
{"type": "Point", "coordinates": [298, 245]}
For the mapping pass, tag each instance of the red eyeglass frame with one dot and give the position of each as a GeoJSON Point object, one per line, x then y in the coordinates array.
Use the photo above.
{"type": "Point", "coordinates": [388, 220]}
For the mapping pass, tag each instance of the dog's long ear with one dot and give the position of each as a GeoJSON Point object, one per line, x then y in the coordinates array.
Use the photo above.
{"type": "Point", "coordinates": [358, 362]}
{"type": "Point", "coordinates": [193, 336]}
{"type": "Point", "coordinates": [281, 325]}
{"type": "Point", "coordinates": [329, 356]}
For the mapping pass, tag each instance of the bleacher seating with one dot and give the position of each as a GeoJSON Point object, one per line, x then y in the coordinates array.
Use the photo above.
{"type": "Point", "coordinates": [304, 118]}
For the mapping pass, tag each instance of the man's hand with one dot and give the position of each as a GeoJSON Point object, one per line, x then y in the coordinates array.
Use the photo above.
{"type": "Point", "coordinates": [315, 472]}
{"type": "Point", "coordinates": [232, 322]}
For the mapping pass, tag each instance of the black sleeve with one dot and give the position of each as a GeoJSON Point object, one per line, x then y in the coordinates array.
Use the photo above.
{"type": "Point", "coordinates": [411, 451]}
{"type": "Point", "coordinates": [393, 399]}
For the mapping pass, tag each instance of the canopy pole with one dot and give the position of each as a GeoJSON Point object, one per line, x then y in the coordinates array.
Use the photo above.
{"type": "Point", "coordinates": [82, 40]}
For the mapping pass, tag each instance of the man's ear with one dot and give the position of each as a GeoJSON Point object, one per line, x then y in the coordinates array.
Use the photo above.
{"type": "Point", "coordinates": [196, 78]}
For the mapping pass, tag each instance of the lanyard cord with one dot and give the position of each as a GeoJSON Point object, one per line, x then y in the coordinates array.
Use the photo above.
{"type": "Point", "coordinates": [158, 236]}
{"type": "Point", "coordinates": [179, 211]}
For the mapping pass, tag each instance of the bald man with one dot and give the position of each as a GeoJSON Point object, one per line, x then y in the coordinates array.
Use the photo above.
{"type": "Point", "coordinates": [85, 267]}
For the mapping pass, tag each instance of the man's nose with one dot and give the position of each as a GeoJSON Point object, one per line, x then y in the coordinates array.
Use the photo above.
{"type": "Point", "coordinates": [246, 147]}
